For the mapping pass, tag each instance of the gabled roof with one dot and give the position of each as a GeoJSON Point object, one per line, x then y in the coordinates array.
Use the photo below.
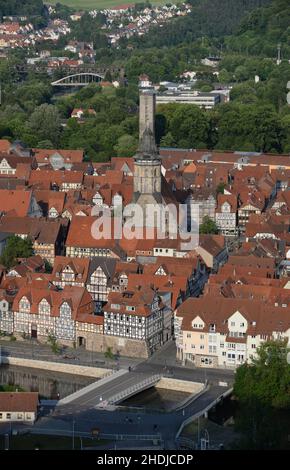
{"type": "Point", "coordinates": [212, 309]}
{"type": "Point", "coordinates": [15, 202]}
{"type": "Point", "coordinates": [80, 266]}
{"type": "Point", "coordinates": [69, 156]}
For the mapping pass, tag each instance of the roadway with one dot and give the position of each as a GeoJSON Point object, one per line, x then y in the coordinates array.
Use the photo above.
{"type": "Point", "coordinates": [81, 420]}
{"type": "Point", "coordinates": [81, 416]}
{"type": "Point", "coordinates": [107, 390]}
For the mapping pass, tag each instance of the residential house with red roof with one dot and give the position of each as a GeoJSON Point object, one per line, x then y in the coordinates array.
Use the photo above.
{"type": "Point", "coordinates": [218, 331]}
{"type": "Point", "coordinates": [226, 214]}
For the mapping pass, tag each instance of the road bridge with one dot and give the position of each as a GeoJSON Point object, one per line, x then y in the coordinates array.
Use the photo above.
{"type": "Point", "coordinates": [110, 390]}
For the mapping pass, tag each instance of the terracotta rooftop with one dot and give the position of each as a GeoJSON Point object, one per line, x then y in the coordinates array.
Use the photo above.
{"type": "Point", "coordinates": [18, 401]}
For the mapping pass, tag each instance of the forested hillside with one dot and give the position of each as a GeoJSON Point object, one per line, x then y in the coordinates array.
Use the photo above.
{"type": "Point", "coordinates": [208, 18]}
{"type": "Point", "coordinates": [262, 30]}
{"type": "Point", "coordinates": [21, 7]}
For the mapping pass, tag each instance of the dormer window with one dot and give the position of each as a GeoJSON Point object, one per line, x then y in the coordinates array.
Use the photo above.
{"type": "Point", "coordinates": [212, 327]}
{"type": "Point", "coordinates": [24, 304]}
{"type": "Point", "coordinates": [44, 307]}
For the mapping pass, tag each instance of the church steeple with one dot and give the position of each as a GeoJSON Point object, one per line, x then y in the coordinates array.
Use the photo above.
{"type": "Point", "coordinates": [147, 146]}
{"type": "Point", "coordinates": [147, 166]}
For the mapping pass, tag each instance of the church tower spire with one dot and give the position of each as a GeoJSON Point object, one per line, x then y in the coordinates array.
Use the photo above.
{"type": "Point", "coordinates": [147, 163]}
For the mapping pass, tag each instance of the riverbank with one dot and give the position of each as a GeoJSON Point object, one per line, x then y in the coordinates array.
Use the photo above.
{"type": "Point", "coordinates": [73, 369]}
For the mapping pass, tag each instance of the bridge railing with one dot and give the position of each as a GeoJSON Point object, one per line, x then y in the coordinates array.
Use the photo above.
{"type": "Point", "coordinates": [134, 389]}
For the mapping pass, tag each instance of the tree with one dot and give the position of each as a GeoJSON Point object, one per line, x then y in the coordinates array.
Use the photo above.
{"type": "Point", "coordinates": [15, 248]}
{"type": "Point", "coordinates": [45, 123]}
{"type": "Point", "coordinates": [45, 144]}
{"type": "Point", "coordinates": [267, 379]}
{"type": "Point", "coordinates": [189, 126]}
{"type": "Point", "coordinates": [48, 267]}
{"type": "Point", "coordinates": [126, 146]}
{"type": "Point", "coordinates": [263, 392]}
{"type": "Point", "coordinates": [52, 341]}
{"type": "Point", "coordinates": [220, 188]}
{"type": "Point", "coordinates": [168, 141]}
{"type": "Point", "coordinates": [109, 353]}
{"type": "Point", "coordinates": [208, 226]}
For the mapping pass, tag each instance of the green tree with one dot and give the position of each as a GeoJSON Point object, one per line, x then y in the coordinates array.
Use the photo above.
{"type": "Point", "coordinates": [220, 188]}
{"type": "Point", "coordinates": [208, 226]}
{"type": "Point", "coordinates": [109, 353]}
{"type": "Point", "coordinates": [268, 377]}
{"type": "Point", "coordinates": [15, 248]}
{"type": "Point", "coordinates": [263, 392]}
{"type": "Point", "coordinates": [45, 123]}
{"type": "Point", "coordinates": [168, 141]}
{"type": "Point", "coordinates": [189, 126]}
{"type": "Point", "coordinates": [126, 146]}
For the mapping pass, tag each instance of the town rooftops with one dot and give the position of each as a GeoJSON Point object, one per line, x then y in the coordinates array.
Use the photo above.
{"type": "Point", "coordinates": [212, 309]}
{"type": "Point", "coordinates": [15, 202]}
{"type": "Point", "coordinates": [42, 230]}
{"type": "Point", "coordinates": [77, 298]}
{"type": "Point", "coordinates": [5, 145]}
{"type": "Point", "coordinates": [79, 266]}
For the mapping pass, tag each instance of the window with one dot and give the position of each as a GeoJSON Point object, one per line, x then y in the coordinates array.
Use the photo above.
{"type": "Point", "coordinates": [253, 346]}
{"type": "Point", "coordinates": [206, 360]}
{"type": "Point", "coordinates": [44, 307]}
{"type": "Point", "coordinates": [232, 323]}
{"type": "Point", "coordinates": [65, 310]}
{"type": "Point", "coordinates": [201, 336]}
{"type": "Point", "coordinates": [188, 335]}
{"type": "Point", "coordinates": [201, 347]}
{"type": "Point", "coordinates": [129, 308]}
{"type": "Point", "coordinates": [24, 304]}
{"type": "Point", "coordinates": [231, 356]}
{"type": "Point", "coordinates": [115, 306]}
{"type": "Point", "coordinates": [19, 415]}
{"type": "Point", "coordinates": [8, 415]}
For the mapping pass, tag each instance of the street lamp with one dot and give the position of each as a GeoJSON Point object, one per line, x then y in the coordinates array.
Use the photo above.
{"type": "Point", "coordinates": [73, 434]}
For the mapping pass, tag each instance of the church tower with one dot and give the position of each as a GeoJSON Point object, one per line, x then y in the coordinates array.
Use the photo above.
{"type": "Point", "coordinates": [147, 162]}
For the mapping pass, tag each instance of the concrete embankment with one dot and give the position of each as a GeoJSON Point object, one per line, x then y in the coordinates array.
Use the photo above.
{"type": "Point", "coordinates": [180, 385]}
{"type": "Point", "coordinates": [96, 372]}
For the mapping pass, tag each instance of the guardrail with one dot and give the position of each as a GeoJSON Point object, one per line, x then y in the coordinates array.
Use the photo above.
{"type": "Point", "coordinates": [186, 443]}
{"type": "Point", "coordinates": [203, 411]}
{"type": "Point", "coordinates": [146, 383]}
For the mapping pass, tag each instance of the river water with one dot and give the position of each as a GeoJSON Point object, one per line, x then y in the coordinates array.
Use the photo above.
{"type": "Point", "coordinates": [153, 398]}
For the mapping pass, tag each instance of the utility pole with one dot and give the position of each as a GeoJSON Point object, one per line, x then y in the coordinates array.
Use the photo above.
{"type": "Point", "coordinates": [279, 54]}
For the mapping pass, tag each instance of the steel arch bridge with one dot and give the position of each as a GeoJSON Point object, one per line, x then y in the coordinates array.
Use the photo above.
{"type": "Point", "coordinates": [78, 79]}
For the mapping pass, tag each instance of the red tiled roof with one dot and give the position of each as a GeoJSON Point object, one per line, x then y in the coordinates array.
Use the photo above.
{"type": "Point", "coordinates": [15, 202]}
{"type": "Point", "coordinates": [18, 401]}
